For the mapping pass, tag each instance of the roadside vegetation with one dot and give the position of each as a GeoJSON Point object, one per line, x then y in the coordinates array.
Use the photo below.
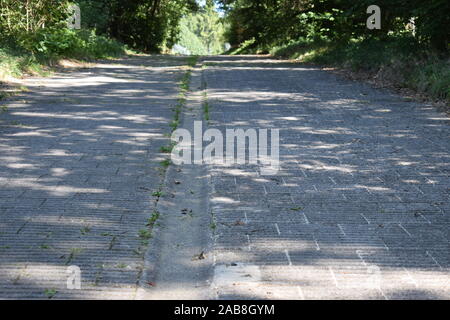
{"type": "Point", "coordinates": [411, 50]}
{"type": "Point", "coordinates": [35, 34]}
{"type": "Point", "coordinates": [399, 62]}
{"type": "Point", "coordinates": [202, 32]}
{"type": "Point", "coordinates": [35, 53]}
{"type": "Point", "coordinates": [146, 233]}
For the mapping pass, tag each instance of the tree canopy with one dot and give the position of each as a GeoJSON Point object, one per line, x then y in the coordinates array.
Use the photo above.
{"type": "Point", "coordinates": [154, 25]}
{"type": "Point", "coordinates": [276, 21]}
{"type": "Point", "coordinates": [202, 32]}
{"type": "Point", "coordinates": [148, 25]}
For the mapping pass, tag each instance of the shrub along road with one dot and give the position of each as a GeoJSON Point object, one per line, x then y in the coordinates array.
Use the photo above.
{"type": "Point", "coordinates": [359, 208]}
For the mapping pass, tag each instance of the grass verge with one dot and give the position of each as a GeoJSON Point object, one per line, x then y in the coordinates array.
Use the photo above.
{"type": "Point", "coordinates": [38, 53]}
{"type": "Point", "coordinates": [395, 62]}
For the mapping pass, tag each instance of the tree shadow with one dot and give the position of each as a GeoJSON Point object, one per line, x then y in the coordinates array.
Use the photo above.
{"type": "Point", "coordinates": [361, 193]}
{"type": "Point", "coordinates": [79, 162]}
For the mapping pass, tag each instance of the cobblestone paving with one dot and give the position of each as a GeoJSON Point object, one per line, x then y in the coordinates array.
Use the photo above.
{"type": "Point", "coordinates": [79, 162]}
{"type": "Point", "coordinates": [361, 206]}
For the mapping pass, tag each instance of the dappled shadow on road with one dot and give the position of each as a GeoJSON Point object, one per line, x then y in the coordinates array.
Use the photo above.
{"type": "Point", "coordinates": [362, 196]}
{"type": "Point", "coordinates": [359, 209]}
{"type": "Point", "coordinates": [79, 160]}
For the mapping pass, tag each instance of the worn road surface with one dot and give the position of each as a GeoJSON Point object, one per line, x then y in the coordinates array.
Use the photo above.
{"type": "Point", "coordinates": [359, 209]}
{"type": "Point", "coordinates": [79, 157]}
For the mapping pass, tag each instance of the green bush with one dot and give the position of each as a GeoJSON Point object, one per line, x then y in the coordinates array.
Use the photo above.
{"type": "Point", "coordinates": [432, 78]}
{"type": "Point", "coordinates": [202, 33]}
{"type": "Point", "coordinates": [15, 60]}
{"type": "Point", "coordinates": [31, 52]}
{"type": "Point", "coordinates": [69, 43]}
{"type": "Point", "coordinates": [247, 47]}
{"type": "Point", "coordinates": [402, 61]}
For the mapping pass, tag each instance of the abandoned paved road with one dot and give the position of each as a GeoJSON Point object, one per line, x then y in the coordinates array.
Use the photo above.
{"type": "Point", "coordinates": [79, 157]}
{"type": "Point", "coordinates": [359, 210]}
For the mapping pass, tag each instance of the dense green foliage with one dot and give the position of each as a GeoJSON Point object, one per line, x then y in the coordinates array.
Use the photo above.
{"type": "Point", "coordinates": [63, 42]}
{"type": "Point", "coordinates": [410, 50]}
{"type": "Point", "coordinates": [397, 61]}
{"type": "Point", "coordinates": [148, 25]}
{"type": "Point", "coordinates": [27, 16]}
{"type": "Point", "coordinates": [202, 32]}
{"type": "Point", "coordinates": [277, 21]}
{"type": "Point", "coordinates": [34, 34]}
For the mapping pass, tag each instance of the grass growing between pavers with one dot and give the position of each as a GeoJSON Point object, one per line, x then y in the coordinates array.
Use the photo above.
{"type": "Point", "coordinates": [184, 89]}
{"type": "Point", "coordinates": [181, 103]}
{"type": "Point", "coordinates": [206, 106]}
{"type": "Point", "coordinates": [153, 218]}
{"type": "Point", "coordinates": [50, 293]}
{"type": "Point", "coordinates": [145, 234]}
{"type": "Point", "coordinates": [213, 224]}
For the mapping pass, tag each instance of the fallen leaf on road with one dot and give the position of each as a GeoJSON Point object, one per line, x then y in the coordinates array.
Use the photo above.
{"type": "Point", "coordinates": [186, 211]}
{"type": "Point", "coordinates": [200, 256]}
